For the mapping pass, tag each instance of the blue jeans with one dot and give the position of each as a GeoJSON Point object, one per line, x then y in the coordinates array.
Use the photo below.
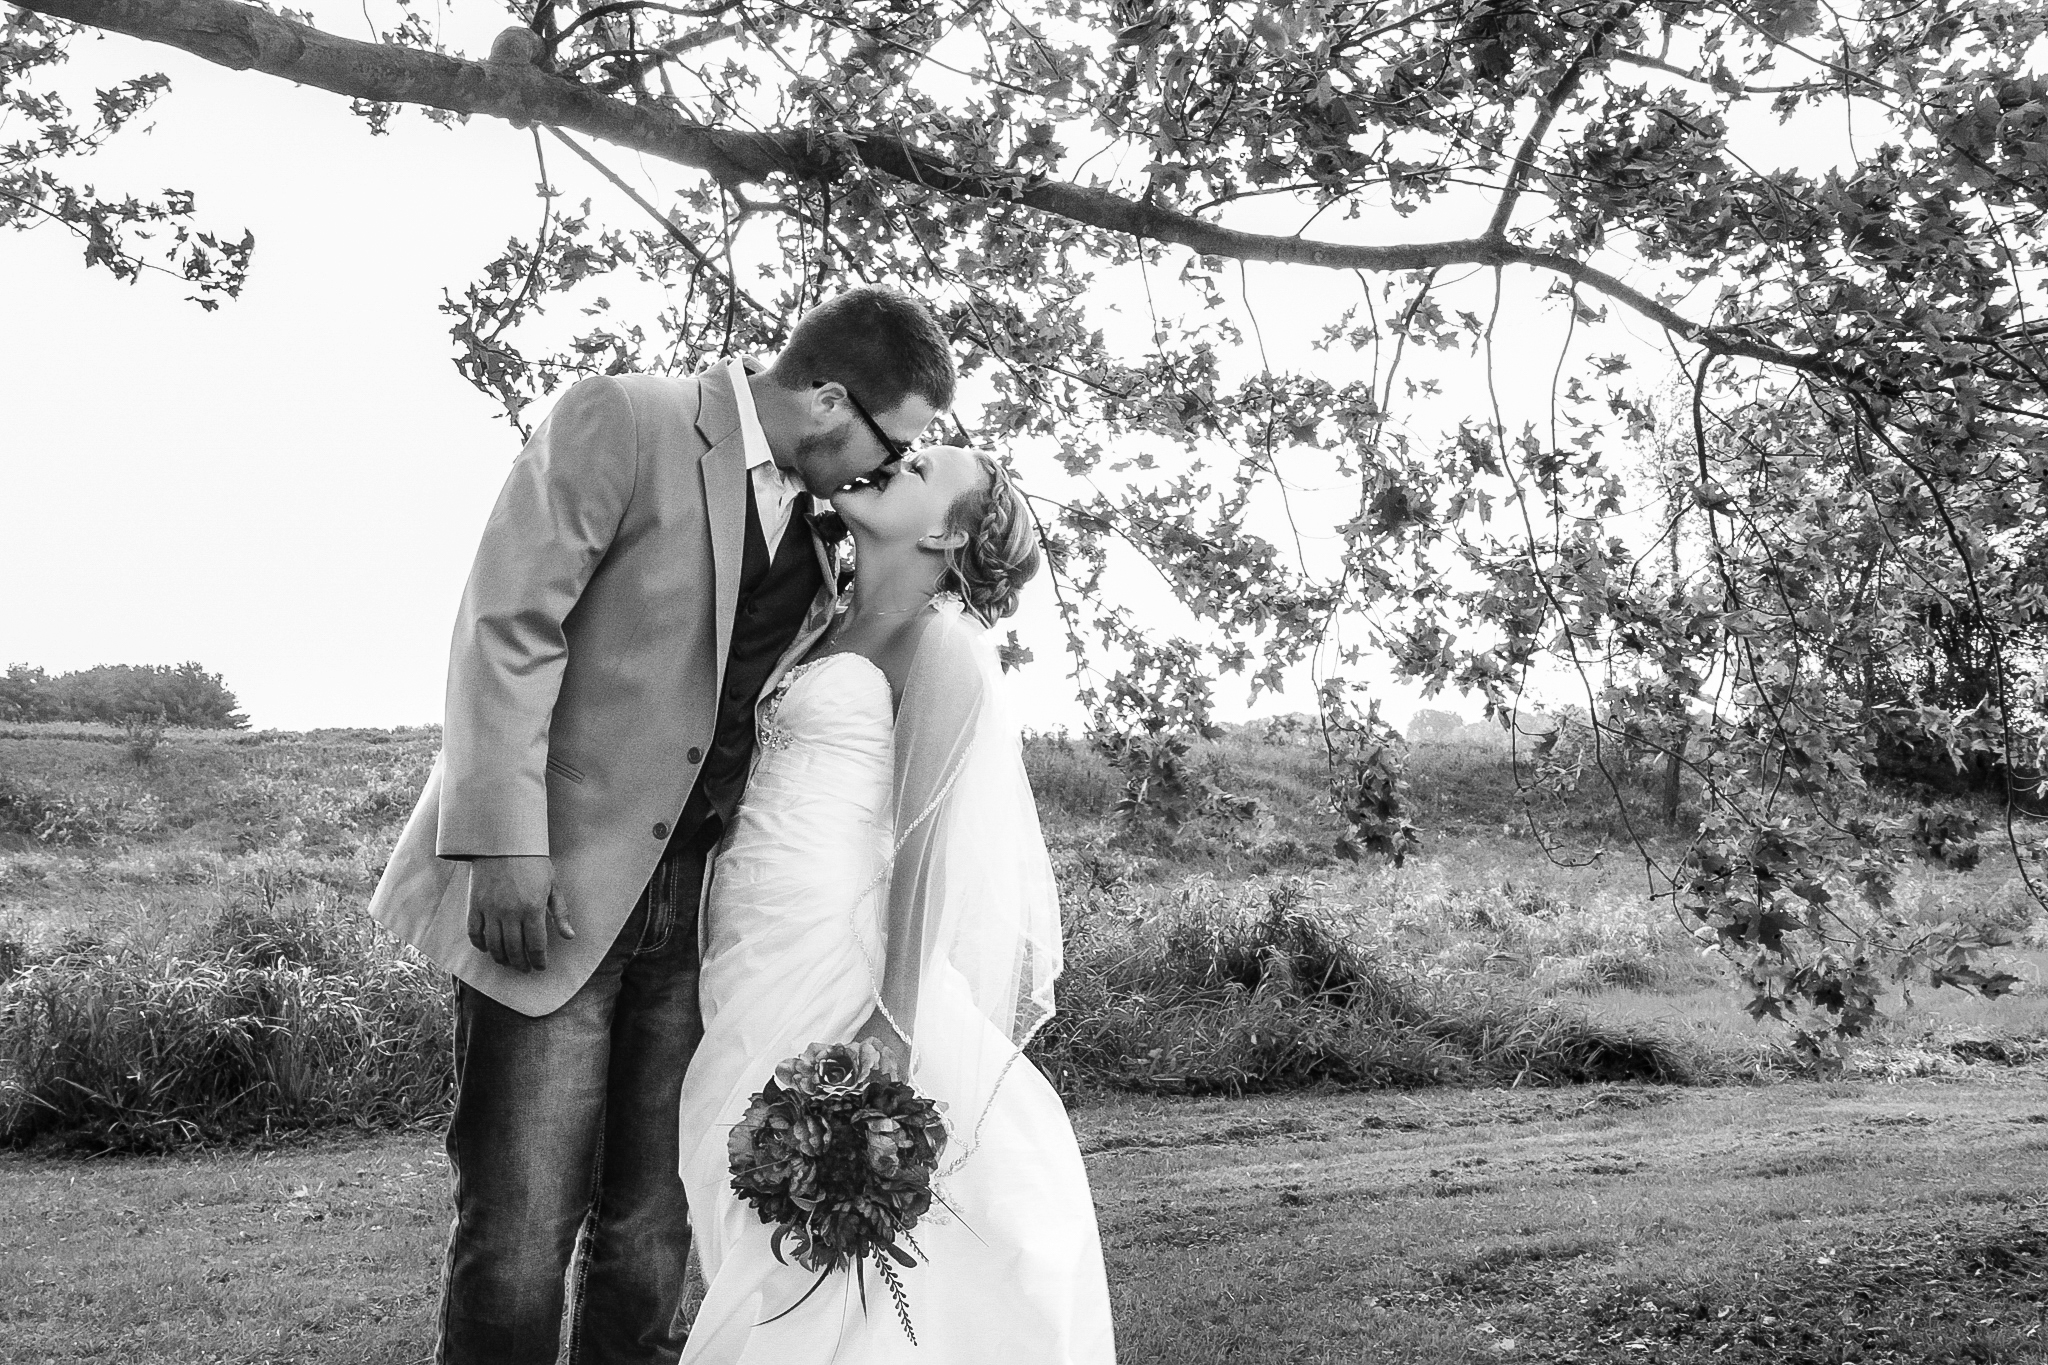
{"type": "Point", "coordinates": [565, 1128]}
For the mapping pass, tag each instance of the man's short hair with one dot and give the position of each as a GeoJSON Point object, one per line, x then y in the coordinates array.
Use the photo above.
{"type": "Point", "coordinates": [881, 343]}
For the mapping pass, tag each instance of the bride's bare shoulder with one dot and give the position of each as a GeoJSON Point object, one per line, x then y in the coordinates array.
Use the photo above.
{"type": "Point", "coordinates": [934, 655]}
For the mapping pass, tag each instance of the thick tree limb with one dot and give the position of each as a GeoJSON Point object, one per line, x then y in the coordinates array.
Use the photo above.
{"type": "Point", "coordinates": [245, 38]}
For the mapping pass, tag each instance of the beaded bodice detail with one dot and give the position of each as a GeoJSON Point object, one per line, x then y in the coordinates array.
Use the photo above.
{"type": "Point", "coordinates": [779, 720]}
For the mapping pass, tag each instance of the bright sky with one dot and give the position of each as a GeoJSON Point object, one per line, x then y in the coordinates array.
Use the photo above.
{"type": "Point", "coordinates": [289, 490]}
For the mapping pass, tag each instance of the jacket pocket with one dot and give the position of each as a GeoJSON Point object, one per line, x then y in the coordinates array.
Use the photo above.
{"type": "Point", "coordinates": [555, 765]}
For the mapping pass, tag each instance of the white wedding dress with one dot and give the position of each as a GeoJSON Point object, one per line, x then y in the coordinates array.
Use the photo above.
{"type": "Point", "coordinates": [1014, 1272]}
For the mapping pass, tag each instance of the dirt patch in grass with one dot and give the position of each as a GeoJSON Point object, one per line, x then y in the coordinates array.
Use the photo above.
{"type": "Point", "coordinates": [1972, 1290]}
{"type": "Point", "coordinates": [1866, 1222]}
{"type": "Point", "coordinates": [1965, 1289]}
{"type": "Point", "coordinates": [1619, 1224]}
{"type": "Point", "coordinates": [1116, 1123]}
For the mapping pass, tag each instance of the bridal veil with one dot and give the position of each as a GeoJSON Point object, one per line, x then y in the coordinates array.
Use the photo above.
{"type": "Point", "coordinates": [971, 896]}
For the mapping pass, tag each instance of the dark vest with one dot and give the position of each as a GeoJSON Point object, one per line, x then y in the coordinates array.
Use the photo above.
{"type": "Point", "coordinates": [773, 599]}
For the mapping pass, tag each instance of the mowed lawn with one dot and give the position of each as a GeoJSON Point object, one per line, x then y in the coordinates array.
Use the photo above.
{"type": "Point", "coordinates": [1856, 1221]}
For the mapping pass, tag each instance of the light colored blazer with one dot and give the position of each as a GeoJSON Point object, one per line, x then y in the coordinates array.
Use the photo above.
{"type": "Point", "coordinates": [584, 674]}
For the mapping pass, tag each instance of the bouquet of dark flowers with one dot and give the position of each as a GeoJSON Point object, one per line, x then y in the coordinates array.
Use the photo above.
{"type": "Point", "coordinates": [837, 1152]}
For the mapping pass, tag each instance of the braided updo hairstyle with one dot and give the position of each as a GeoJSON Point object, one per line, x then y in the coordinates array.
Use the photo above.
{"type": "Point", "coordinates": [1001, 552]}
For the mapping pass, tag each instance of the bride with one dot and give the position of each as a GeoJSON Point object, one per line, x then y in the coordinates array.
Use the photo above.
{"type": "Point", "coordinates": [885, 880]}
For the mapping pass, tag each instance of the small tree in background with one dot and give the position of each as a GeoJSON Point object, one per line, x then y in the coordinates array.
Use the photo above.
{"type": "Point", "coordinates": [24, 694]}
{"type": "Point", "coordinates": [183, 695]}
{"type": "Point", "coordinates": [1431, 726]}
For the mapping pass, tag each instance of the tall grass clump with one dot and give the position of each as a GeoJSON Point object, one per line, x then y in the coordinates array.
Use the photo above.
{"type": "Point", "coordinates": [260, 1018]}
{"type": "Point", "coordinates": [55, 817]}
{"type": "Point", "coordinates": [1204, 995]}
{"type": "Point", "coordinates": [1071, 782]}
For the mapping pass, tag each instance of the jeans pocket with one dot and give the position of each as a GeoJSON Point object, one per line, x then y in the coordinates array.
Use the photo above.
{"type": "Point", "coordinates": [661, 907]}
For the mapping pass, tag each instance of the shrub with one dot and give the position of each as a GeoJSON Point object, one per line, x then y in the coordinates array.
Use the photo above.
{"type": "Point", "coordinates": [116, 694]}
{"type": "Point", "coordinates": [24, 695]}
{"type": "Point", "coordinates": [1372, 796]}
{"type": "Point", "coordinates": [1431, 726]}
{"type": "Point", "coordinates": [1489, 782]}
{"type": "Point", "coordinates": [1947, 835]}
{"type": "Point", "coordinates": [1161, 783]}
{"type": "Point", "coordinates": [141, 738]}
{"type": "Point", "coordinates": [51, 817]}
{"type": "Point", "coordinates": [1367, 778]}
{"type": "Point", "coordinates": [1068, 779]}
{"type": "Point", "coordinates": [113, 1053]}
{"type": "Point", "coordinates": [1511, 1037]}
{"type": "Point", "coordinates": [1295, 729]}
{"type": "Point", "coordinates": [14, 956]}
{"type": "Point", "coordinates": [269, 1016]}
{"type": "Point", "coordinates": [1288, 948]}
{"type": "Point", "coordinates": [1218, 999]}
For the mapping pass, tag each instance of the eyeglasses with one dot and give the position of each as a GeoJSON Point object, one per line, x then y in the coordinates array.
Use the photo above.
{"type": "Point", "coordinates": [892, 447]}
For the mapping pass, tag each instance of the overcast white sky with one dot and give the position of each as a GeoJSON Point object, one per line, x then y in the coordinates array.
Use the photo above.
{"type": "Point", "coordinates": [289, 490]}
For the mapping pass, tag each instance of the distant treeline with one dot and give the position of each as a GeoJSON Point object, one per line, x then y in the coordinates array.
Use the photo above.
{"type": "Point", "coordinates": [122, 694]}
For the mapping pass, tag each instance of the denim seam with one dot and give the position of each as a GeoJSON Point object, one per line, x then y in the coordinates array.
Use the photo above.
{"type": "Point", "coordinates": [460, 1036]}
{"type": "Point", "coordinates": [593, 1226]}
{"type": "Point", "coordinates": [447, 1299]}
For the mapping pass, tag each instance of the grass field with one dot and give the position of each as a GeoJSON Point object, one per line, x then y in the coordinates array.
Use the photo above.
{"type": "Point", "coordinates": [185, 971]}
{"type": "Point", "coordinates": [1892, 1223]}
{"type": "Point", "coordinates": [183, 954]}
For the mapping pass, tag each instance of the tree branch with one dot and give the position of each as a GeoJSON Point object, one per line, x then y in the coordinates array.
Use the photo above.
{"type": "Point", "coordinates": [628, 6]}
{"type": "Point", "coordinates": [245, 38]}
{"type": "Point", "coordinates": [675, 233]}
{"type": "Point", "coordinates": [1525, 159]}
{"type": "Point", "coordinates": [1716, 80]}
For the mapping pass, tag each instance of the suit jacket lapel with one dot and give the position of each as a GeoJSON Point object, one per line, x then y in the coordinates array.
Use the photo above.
{"type": "Point", "coordinates": [724, 470]}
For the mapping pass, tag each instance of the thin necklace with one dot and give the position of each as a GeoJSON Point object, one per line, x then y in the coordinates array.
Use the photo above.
{"type": "Point", "coordinates": [842, 624]}
{"type": "Point", "coordinates": [903, 612]}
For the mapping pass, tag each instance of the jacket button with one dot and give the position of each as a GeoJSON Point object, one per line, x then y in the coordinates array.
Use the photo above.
{"type": "Point", "coordinates": [660, 830]}
{"type": "Point", "coordinates": [695, 755]}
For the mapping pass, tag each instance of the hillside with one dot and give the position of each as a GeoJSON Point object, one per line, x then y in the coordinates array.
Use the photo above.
{"type": "Point", "coordinates": [185, 956]}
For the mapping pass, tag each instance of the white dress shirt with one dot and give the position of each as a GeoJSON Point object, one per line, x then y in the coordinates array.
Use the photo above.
{"type": "Point", "coordinates": [776, 489]}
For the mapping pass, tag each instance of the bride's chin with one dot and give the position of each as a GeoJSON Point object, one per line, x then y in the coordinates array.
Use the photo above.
{"type": "Point", "coordinates": [857, 526]}
{"type": "Point", "coordinates": [853, 507]}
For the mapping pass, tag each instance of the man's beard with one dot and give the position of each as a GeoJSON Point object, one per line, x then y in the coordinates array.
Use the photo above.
{"type": "Point", "coordinates": [818, 449]}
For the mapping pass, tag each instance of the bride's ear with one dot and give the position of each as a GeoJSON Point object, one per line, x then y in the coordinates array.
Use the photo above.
{"type": "Point", "coordinates": [942, 540]}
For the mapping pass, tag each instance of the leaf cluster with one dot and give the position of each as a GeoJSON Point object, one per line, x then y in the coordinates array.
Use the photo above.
{"type": "Point", "coordinates": [124, 235]}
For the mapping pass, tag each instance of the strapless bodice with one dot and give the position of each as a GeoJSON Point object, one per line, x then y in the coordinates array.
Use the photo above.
{"type": "Point", "coordinates": [813, 831]}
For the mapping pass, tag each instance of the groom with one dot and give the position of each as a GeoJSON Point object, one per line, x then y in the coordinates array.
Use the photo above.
{"type": "Point", "coordinates": [645, 576]}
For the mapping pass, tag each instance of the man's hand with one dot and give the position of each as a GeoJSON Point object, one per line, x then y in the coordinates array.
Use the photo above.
{"type": "Point", "coordinates": [895, 1051]}
{"type": "Point", "coordinates": [512, 906]}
